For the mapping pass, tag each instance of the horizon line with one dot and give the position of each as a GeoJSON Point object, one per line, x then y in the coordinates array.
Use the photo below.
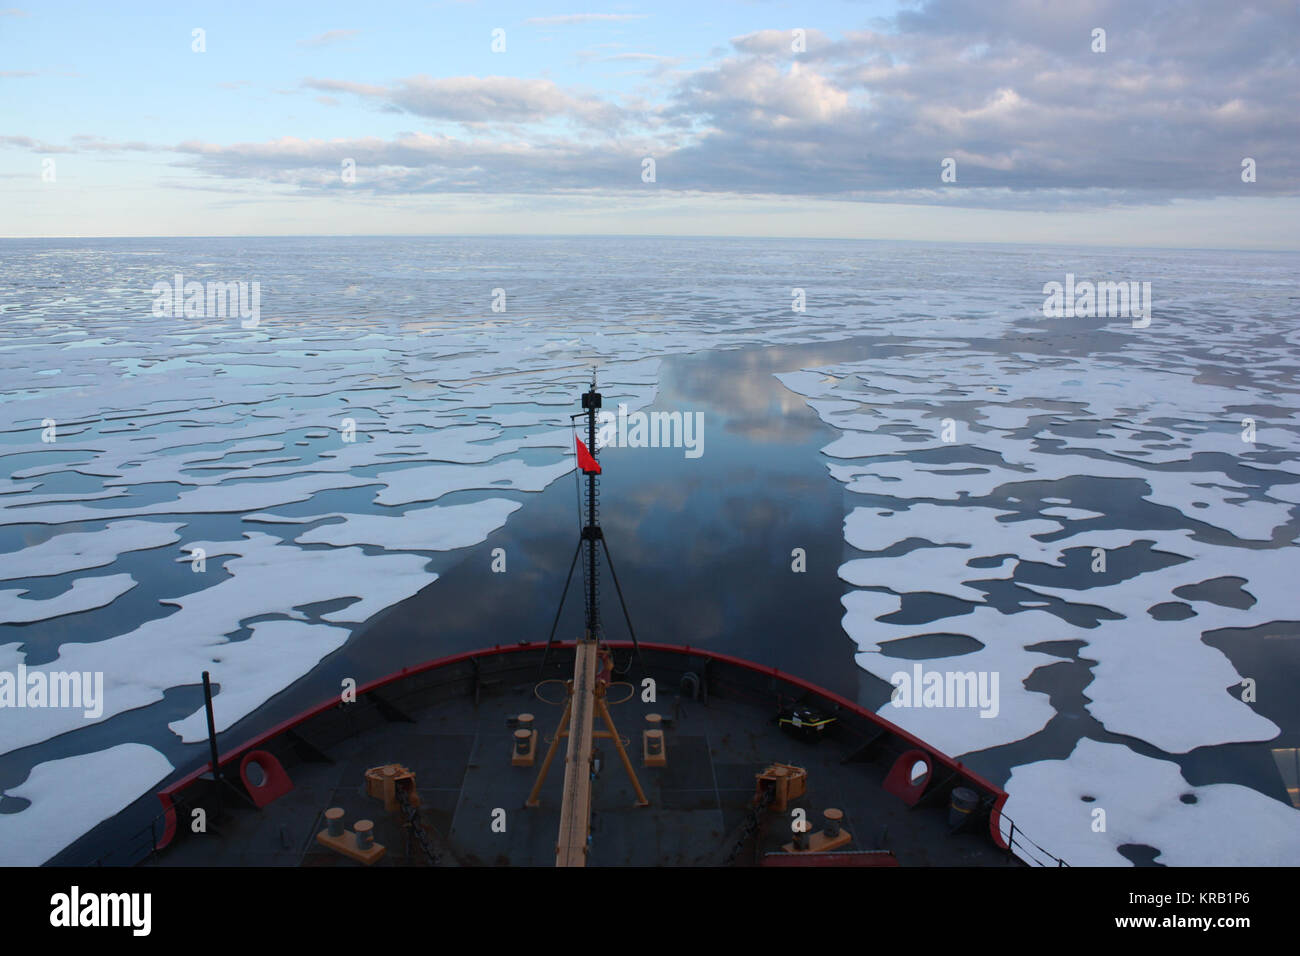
{"type": "Point", "coordinates": [606, 235]}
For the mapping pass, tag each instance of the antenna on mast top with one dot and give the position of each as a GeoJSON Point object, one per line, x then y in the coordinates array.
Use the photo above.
{"type": "Point", "coordinates": [591, 534]}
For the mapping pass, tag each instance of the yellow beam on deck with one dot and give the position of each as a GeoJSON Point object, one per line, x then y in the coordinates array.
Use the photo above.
{"type": "Point", "coordinates": [575, 811]}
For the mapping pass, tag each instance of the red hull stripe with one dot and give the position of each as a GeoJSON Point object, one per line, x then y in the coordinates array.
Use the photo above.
{"type": "Point", "coordinates": [165, 795]}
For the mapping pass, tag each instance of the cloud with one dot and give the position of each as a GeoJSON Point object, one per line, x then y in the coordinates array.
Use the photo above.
{"type": "Point", "coordinates": [585, 18]}
{"type": "Point", "coordinates": [650, 57]}
{"type": "Point", "coordinates": [653, 65]}
{"type": "Point", "coordinates": [20, 74]}
{"type": "Point", "coordinates": [36, 146]}
{"type": "Point", "coordinates": [761, 96]}
{"type": "Point", "coordinates": [1014, 94]}
{"type": "Point", "coordinates": [779, 42]}
{"type": "Point", "coordinates": [423, 163]}
{"type": "Point", "coordinates": [328, 37]}
{"type": "Point", "coordinates": [482, 100]}
{"type": "Point", "coordinates": [80, 143]}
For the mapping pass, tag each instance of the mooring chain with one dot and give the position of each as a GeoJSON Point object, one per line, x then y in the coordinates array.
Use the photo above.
{"type": "Point", "coordinates": [412, 815]}
{"type": "Point", "coordinates": [753, 820]}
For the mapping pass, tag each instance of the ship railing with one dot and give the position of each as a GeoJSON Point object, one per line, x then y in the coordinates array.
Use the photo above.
{"type": "Point", "coordinates": [1018, 843]}
{"type": "Point", "coordinates": [130, 850]}
{"type": "Point", "coordinates": [1021, 845]}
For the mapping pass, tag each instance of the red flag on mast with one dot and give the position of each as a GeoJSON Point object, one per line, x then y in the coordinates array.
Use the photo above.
{"type": "Point", "coordinates": [586, 462]}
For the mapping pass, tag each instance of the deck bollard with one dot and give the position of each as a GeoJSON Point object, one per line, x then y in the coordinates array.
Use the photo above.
{"type": "Point", "coordinates": [833, 818]}
{"type": "Point", "coordinates": [655, 738]}
{"type": "Point", "coordinates": [652, 742]}
{"type": "Point", "coordinates": [964, 800]}
{"type": "Point", "coordinates": [365, 834]}
{"type": "Point", "coordinates": [801, 828]}
{"type": "Point", "coordinates": [334, 821]}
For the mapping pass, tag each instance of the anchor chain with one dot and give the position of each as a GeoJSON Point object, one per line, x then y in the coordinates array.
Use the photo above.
{"type": "Point", "coordinates": [414, 827]}
{"type": "Point", "coordinates": [753, 820]}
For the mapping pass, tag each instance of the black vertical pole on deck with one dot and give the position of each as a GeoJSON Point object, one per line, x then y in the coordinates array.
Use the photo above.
{"type": "Point", "coordinates": [212, 737]}
{"type": "Point", "coordinates": [592, 614]}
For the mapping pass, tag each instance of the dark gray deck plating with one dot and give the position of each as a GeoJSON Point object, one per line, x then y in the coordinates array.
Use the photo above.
{"type": "Point", "coordinates": [458, 744]}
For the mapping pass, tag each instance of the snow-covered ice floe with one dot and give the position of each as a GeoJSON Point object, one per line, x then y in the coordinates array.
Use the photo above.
{"type": "Point", "coordinates": [326, 457]}
{"type": "Point", "coordinates": [361, 419]}
{"type": "Point", "coordinates": [63, 807]}
{"type": "Point", "coordinates": [951, 453]}
{"type": "Point", "coordinates": [1104, 796]}
{"type": "Point", "coordinates": [370, 445]}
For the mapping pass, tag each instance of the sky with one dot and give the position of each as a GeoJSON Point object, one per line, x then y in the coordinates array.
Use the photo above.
{"type": "Point", "coordinates": [1013, 121]}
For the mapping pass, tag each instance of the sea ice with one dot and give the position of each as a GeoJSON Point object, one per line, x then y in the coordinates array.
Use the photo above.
{"type": "Point", "coordinates": [1055, 803]}
{"type": "Point", "coordinates": [436, 528]}
{"type": "Point", "coordinates": [268, 577]}
{"type": "Point", "coordinates": [63, 805]}
{"type": "Point", "coordinates": [431, 482]}
{"type": "Point", "coordinates": [273, 657]}
{"type": "Point", "coordinates": [86, 594]}
{"type": "Point", "coordinates": [83, 550]}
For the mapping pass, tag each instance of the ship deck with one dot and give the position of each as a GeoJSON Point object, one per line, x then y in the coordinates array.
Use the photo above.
{"type": "Point", "coordinates": [450, 726]}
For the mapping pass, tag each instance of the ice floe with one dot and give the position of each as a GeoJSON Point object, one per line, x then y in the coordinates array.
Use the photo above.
{"type": "Point", "coordinates": [273, 657]}
{"type": "Point", "coordinates": [84, 550]}
{"type": "Point", "coordinates": [1142, 802]}
{"type": "Point", "coordinates": [947, 436]}
{"type": "Point", "coordinates": [85, 594]}
{"type": "Point", "coordinates": [339, 416]}
{"type": "Point", "coordinates": [63, 806]}
{"type": "Point", "coordinates": [431, 482]}
{"type": "Point", "coordinates": [266, 577]}
{"type": "Point", "coordinates": [1018, 713]}
{"type": "Point", "coordinates": [437, 528]}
